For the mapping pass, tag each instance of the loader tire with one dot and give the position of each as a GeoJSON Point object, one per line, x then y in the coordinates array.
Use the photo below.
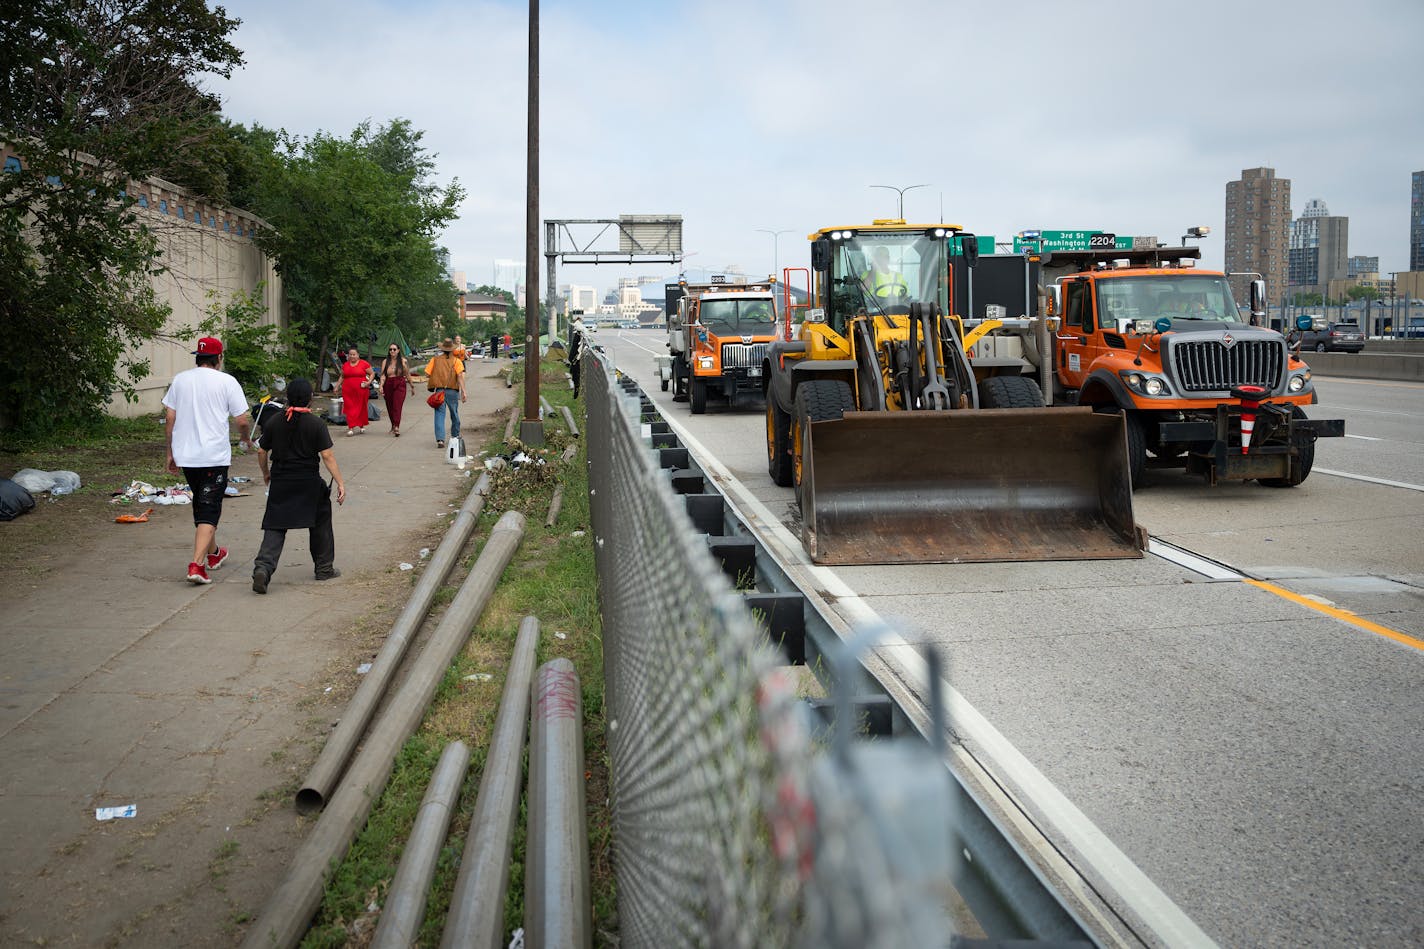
{"type": "Point", "coordinates": [697, 395]}
{"type": "Point", "coordinates": [818, 400]}
{"type": "Point", "coordinates": [778, 444]}
{"type": "Point", "coordinates": [1305, 446]}
{"type": "Point", "coordinates": [1010, 392]}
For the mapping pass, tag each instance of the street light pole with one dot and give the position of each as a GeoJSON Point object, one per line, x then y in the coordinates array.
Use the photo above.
{"type": "Point", "coordinates": [902, 194]}
{"type": "Point", "coordinates": [775, 248]}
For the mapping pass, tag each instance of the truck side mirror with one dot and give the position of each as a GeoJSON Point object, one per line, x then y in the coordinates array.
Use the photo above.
{"type": "Point", "coordinates": [969, 248]}
{"type": "Point", "coordinates": [820, 254]}
{"type": "Point", "coordinates": [1258, 298]}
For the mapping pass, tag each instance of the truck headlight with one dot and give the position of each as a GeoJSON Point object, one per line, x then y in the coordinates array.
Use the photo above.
{"type": "Point", "coordinates": [705, 362]}
{"type": "Point", "coordinates": [1296, 383]}
{"type": "Point", "coordinates": [1146, 384]}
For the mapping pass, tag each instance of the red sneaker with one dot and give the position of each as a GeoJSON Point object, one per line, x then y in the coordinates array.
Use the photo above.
{"type": "Point", "coordinates": [218, 559]}
{"type": "Point", "coordinates": [196, 574]}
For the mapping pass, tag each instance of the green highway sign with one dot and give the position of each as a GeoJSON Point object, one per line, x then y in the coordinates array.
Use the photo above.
{"type": "Point", "coordinates": [1047, 241]}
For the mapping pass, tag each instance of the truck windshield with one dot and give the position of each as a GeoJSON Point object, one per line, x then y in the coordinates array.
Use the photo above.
{"type": "Point", "coordinates": [884, 272]}
{"type": "Point", "coordinates": [1179, 296]}
{"type": "Point", "coordinates": [755, 317]}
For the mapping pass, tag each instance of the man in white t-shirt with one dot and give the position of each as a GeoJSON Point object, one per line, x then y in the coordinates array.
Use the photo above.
{"type": "Point", "coordinates": [197, 408]}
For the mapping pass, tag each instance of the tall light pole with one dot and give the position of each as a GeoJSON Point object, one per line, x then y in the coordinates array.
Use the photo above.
{"type": "Point", "coordinates": [902, 194]}
{"type": "Point", "coordinates": [775, 248]}
{"type": "Point", "coordinates": [531, 426]}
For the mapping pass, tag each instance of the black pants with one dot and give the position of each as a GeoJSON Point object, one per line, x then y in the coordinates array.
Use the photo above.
{"type": "Point", "coordinates": [323, 546]}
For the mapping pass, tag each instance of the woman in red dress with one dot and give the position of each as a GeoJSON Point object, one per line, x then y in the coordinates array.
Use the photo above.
{"type": "Point", "coordinates": [395, 381]}
{"type": "Point", "coordinates": [355, 390]}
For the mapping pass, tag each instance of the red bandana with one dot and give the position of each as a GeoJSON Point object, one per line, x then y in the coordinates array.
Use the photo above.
{"type": "Point", "coordinates": [293, 408]}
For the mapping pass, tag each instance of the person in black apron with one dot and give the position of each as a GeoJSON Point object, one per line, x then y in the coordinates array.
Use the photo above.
{"type": "Point", "coordinates": [297, 496]}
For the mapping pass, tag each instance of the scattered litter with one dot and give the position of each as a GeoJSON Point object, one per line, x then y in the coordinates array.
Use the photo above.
{"type": "Point", "coordinates": [232, 492]}
{"type": "Point", "coordinates": [469, 474]}
{"type": "Point", "coordinates": [109, 813]}
{"type": "Point", "coordinates": [55, 482]}
{"type": "Point", "coordinates": [407, 566]}
{"type": "Point", "coordinates": [14, 500]}
{"type": "Point", "coordinates": [441, 513]}
{"type": "Point", "coordinates": [372, 906]}
{"type": "Point", "coordinates": [516, 939]}
{"type": "Point", "coordinates": [363, 668]}
{"type": "Point", "coordinates": [142, 492]}
{"type": "Point", "coordinates": [424, 552]}
{"type": "Point", "coordinates": [133, 518]}
{"type": "Point", "coordinates": [479, 677]}
{"type": "Point", "coordinates": [559, 635]}
{"type": "Point", "coordinates": [327, 689]}
{"type": "Point", "coordinates": [577, 534]}
{"type": "Point", "coordinates": [239, 480]}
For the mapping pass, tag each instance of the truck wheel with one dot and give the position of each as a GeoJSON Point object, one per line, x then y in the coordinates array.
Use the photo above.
{"type": "Point", "coordinates": [818, 400]}
{"type": "Point", "coordinates": [664, 385]}
{"type": "Point", "coordinates": [1010, 392]}
{"type": "Point", "coordinates": [1305, 449]}
{"type": "Point", "coordinates": [778, 443]}
{"type": "Point", "coordinates": [679, 382]}
{"type": "Point", "coordinates": [697, 396]}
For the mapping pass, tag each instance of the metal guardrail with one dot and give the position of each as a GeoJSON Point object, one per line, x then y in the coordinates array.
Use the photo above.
{"type": "Point", "coordinates": [733, 825]}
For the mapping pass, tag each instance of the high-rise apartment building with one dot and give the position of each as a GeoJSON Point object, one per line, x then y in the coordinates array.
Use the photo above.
{"type": "Point", "coordinates": [1360, 266]}
{"type": "Point", "coordinates": [1319, 248]}
{"type": "Point", "coordinates": [1416, 222]}
{"type": "Point", "coordinates": [1258, 231]}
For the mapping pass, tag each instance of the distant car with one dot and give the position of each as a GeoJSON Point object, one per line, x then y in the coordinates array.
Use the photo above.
{"type": "Point", "coordinates": [1334, 338]}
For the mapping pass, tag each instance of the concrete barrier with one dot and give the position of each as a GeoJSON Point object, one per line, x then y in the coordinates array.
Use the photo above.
{"type": "Point", "coordinates": [1396, 365]}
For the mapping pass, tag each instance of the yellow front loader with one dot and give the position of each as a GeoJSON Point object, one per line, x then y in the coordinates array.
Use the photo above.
{"type": "Point", "coordinates": [903, 448]}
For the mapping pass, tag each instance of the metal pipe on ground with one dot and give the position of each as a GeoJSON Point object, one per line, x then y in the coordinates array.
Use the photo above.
{"type": "Point", "coordinates": [289, 911]}
{"type": "Point", "coordinates": [476, 915]}
{"type": "Point", "coordinates": [569, 420]}
{"type": "Point", "coordinates": [557, 906]}
{"type": "Point", "coordinates": [544, 405]}
{"type": "Point", "coordinates": [324, 774]}
{"type": "Point", "coordinates": [513, 421]}
{"type": "Point", "coordinates": [404, 908]}
{"type": "Point", "coordinates": [570, 453]}
{"type": "Point", "coordinates": [555, 506]}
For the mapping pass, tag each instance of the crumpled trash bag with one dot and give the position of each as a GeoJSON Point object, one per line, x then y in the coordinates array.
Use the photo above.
{"type": "Point", "coordinates": [55, 482]}
{"type": "Point", "coordinates": [14, 500]}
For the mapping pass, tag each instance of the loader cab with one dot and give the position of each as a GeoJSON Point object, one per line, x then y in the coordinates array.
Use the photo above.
{"type": "Point", "coordinates": [880, 272]}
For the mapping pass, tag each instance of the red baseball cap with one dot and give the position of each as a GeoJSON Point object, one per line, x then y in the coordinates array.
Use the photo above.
{"type": "Point", "coordinates": [208, 346]}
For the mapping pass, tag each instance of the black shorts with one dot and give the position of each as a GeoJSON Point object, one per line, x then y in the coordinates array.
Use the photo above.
{"type": "Point", "coordinates": [208, 486]}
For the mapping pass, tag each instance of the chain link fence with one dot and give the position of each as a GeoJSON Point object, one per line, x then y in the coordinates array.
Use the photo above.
{"type": "Point", "coordinates": [730, 828]}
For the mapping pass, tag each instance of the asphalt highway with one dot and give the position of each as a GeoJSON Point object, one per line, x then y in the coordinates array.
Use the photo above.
{"type": "Point", "coordinates": [1245, 729]}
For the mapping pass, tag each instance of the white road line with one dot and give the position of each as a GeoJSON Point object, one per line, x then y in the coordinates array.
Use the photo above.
{"type": "Point", "coordinates": [1357, 477]}
{"type": "Point", "coordinates": [1123, 877]}
{"type": "Point", "coordinates": [1366, 438]}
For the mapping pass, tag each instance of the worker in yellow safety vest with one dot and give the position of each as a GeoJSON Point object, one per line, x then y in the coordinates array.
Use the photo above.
{"type": "Point", "coordinates": [884, 282]}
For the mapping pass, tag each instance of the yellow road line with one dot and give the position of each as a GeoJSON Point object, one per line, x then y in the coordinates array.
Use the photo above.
{"type": "Point", "coordinates": [1345, 616]}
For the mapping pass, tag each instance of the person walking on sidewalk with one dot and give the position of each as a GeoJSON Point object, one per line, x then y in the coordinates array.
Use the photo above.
{"type": "Point", "coordinates": [287, 453]}
{"type": "Point", "coordinates": [355, 391]}
{"type": "Point", "coordinates": [395, 382]}
{"type": "Point", "coordinates": [196, 409]}
{"type": "Point", "coordinates": [446, 374]}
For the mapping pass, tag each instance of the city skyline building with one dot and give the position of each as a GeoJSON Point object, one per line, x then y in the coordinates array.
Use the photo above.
{"type": "Point", "coordinates": [1319, 248]}
{"type": "Point", "coordinates": [1416, 222]}
{"type": "Point", "coordinates": [1258, 221]}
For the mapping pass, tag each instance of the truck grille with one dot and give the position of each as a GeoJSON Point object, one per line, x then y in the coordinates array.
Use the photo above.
{"type": "Point", "coordinates": [742, 355]}
{"type": "Point", "coordinates": [1208, 366]}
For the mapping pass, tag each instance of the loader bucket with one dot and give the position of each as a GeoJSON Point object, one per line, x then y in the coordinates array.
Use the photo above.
{"type": "Point", "coordinates": [968, 486]}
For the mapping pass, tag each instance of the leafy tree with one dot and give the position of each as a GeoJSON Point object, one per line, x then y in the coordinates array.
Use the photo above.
{"type": "Point", "coordinates": [1361, 292]}
{"type": "Point", "coordinates": [254, 353]}
{"type": "Point", "coordinates": [353, 222]}
{"type": "Point", "coordinates": [93, 94]}
{"type": "Point", "coordinates": [1307, 299]}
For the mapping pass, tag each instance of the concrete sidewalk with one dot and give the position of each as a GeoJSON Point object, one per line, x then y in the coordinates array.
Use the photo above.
{"type": "Point", "coordinates": [202, 706]}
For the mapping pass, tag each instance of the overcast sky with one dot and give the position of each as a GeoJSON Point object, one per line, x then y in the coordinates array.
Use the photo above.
{"type": "Point", "coordinates": [739, 115]}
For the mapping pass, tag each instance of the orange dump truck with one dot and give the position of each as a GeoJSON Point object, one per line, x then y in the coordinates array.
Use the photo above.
{"type": "Point", "coordinates": [717, 339]}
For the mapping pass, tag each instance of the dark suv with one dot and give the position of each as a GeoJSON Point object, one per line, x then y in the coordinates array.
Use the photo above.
{"type": "Point", "coordinates": [1335, 338]}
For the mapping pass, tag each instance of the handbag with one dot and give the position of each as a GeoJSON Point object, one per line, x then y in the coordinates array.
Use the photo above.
{"type": "Point", "coordinates": [436, 399]}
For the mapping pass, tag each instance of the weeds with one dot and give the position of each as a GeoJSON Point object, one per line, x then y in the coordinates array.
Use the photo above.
{"type": "Point", "coordinates": [552, 578]}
